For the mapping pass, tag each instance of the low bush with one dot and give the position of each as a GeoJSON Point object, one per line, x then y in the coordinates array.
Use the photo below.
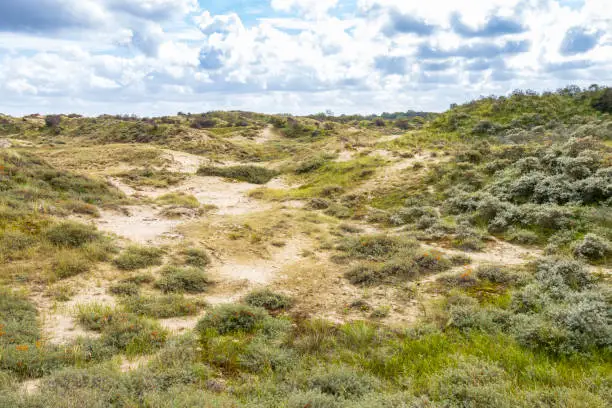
{"type": "Point", "coordinates": [136, 257]}
{"type": "Point", "coordinates": [232, 318]}
{"type": "Point", "coordinates": [161, 307]}
{"type": "Point", "coordinates": [71, 234]}
{"type": "Point", "coordinates": [125, 289]}
{"type": "Point", "coordinates": [196, 257]}
{"type": "Point", "coordinates": [365, 274]}
{"type": "Point", "coordinates": [500, 274]}
{"type": "Point", "coordinates": [376, 247]}
{"type": "Point", "coordinates": [178, 200]}
{"type": "Point", "coordinates": [250, 174]}
{"type": "Point", "coordinates": [342, 381]}
{"type": "Point", "coordinates": [133, 334]}
{"type": "Point", "coordinates": [95, 316]}
{"type": "Point", "coordinates": [68, 263]}
{"type": "Point", "coordinates": [268, 300]}
{"type": "Point", "coordinates": [177, 279]}
{"type": "Point", "coordinates": [593, 248]}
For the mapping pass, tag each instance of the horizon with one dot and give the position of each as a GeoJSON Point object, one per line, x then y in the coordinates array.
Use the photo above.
{"type": "Point", "coordinates": [159, 57]}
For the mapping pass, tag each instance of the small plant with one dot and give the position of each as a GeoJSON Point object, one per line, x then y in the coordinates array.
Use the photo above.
{"type": "Point", "coordinates": [178, 279]}
{"type": "Point", "coordinates": [69, 263]}
{"type": "Point", "coordinates": [342, 382]}
{"type": "Point", "coordinates": [71, 234]}
{"type": "Point", "coordinates": [95, 316]}
{"type": "Point", "coordinates": [136, 257]}
{"type": "Point", "coordinates": [268, 300]}
{"type": "Point", "coordinates": [232, 318]}
{"type": "Point", "coordinates": [250, 174]}
{"type": "Point", "coordinates": [380, 312]}
{"type": "Point", "coordinates": [161, 307]}
{"type": "Point", "coordinates": [196, 257]}
{"type": "Point", "coordinates": [125, 289]}
{"type": "Point", "coordinates": [593, 248]}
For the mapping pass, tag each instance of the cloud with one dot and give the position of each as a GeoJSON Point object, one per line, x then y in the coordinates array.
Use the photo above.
{"type": "Point", "coordinates": [471, 51]}
{"type": "Point", "coordinates": [579, 40]}
{"type": "Point", "coordinates": [299, 56]}
{"type": "Point", "coordinates": [405, 24]}
{"type": "Point", "coordinates": [391, 65]}
{"type": "Point", "coordinates": [41, 16]}
{"type": "Point", "coordinates": [493, 27]}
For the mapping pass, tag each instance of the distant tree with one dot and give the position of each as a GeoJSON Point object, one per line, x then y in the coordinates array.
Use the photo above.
{"type": "Point", "coordinates": [53, 121]}
{"type": "Point", "coordinates": [603, 103]}
{"type": "Point", "coordinates": [380, 122]}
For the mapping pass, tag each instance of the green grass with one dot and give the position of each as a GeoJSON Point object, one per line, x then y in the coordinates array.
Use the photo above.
{"type": "Point", "coordinates": [161, 307]}
{"type": "Point", "coordinates": [178, 200]}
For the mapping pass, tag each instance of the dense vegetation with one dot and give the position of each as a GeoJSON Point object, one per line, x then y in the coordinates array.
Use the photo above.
{"type": "Point", "coordinates": [526, 173]}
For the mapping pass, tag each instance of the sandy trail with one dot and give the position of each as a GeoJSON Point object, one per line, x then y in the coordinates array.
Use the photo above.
{"type": "Point", "coordinates": [266, 135]}
{"type": "Point", "coordinates": [141, 224]}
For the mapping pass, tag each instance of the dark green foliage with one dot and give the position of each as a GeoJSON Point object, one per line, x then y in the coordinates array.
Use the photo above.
{"type": "Point", "coordinates": [311, 165]}
{"type": "Point", "coordinates": [250, 174]}
{"type": "Point", "coordinates": [603, 102]}
{"type": "Point", "coordinates": [136, 257]}
{"type": "Point", "coordinates": [182, 280]}
{"type": "Point", "coordinates": [227, 319]}
{"type": "Point", "coordinates": [268, 300]}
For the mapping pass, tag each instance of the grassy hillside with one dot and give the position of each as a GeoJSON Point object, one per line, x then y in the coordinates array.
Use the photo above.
{"type": "Point", "coordinates": [233, 259]}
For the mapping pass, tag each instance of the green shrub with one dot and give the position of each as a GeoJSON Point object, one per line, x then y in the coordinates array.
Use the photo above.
{"type": "Point", "coordinates": [473, 383]}
{"type": "Point", "coordinates": [232, 318]}
{"type": "Point", "coordinates": [95, 316]}
{"type": "Point", "coordinates": [499, 274]}
{"type": "Point", "coordinates": [136, 257]}
{"type": "Point", "coordinates": [133, 334]}
{"type": "Point", "coordinates": [68, 263]}
{"type": "Point", "coordinates": [161, 306]}
{"type": "Point", "coordinates": [250, 174]}
{"type": "Point", "coordinates": [196, 257]}
{"type": "Point", "coordinates": [593, 248]}
{"type": "Point", "coordinates": [365, 274]}
{"type": "Point", "coordinates": [268, 300]}
{"type": "Point", "coordinates": [342, 382]}
{"type": "Point", "coordinates": [311, 165]}
{"type": "Point", "coordinates": [376, 247]}
{"type": "Point", "coordinates": [71, 234]}
{"type": "Point", "coordinates": [259, 356]}
{"type": "Point", "coordinates": [125, 289]}
{"type": "Point", "coordinates": [178, 279]}
{"type": "Point", "coordinates": [313, 399]}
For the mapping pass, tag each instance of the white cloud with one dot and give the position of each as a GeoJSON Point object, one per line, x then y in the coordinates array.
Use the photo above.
{"type": "Point", "coordinates": [387, 55]}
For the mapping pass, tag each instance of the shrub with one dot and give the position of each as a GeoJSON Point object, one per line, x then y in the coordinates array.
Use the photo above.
{"type": "Point", "coordinates": [432, 261]}
{"type": "Point", "coordinates": [603, 102]}
{"type": "Point", "coordinates": [259, 356]}
{"type": "Point", "coordinates": [365, 275]}
{"type": "Point", "coordinates": [593, 248]}
{"type": "Point", "coordinates": [472, 383]}
{"type": "Point", "coordinates": [18, 319]}
{"type": "Point", "coordinates": [376, 247]}
{"type": "Point", "coordinates": [250, 174]}
{"type": "Point", "coordinates": [125, 289]}
{"type": "Point", "coordinates": [499, 274]}
{"type": "Point", "coordinates": [178, 200]}
{"type": "Point", "coordinates": [161, 306]}
{"type": "Point", "coordinates": [318, 204]}
{"type": "Point", "coordinates": [313, 399]}
{"type": "Point", "coordinates": [558, 276]}
{"type": "Point", "coordinates": [71, 234]}
{"type": "Point", "coordinates": [136, 257]}
{"type": "Point", "coordinates": [232, 318]}
{"type": "Point", "coordinates": [68, 263]}
{"type": "Point", "coordinates": [530, 299]}
{"type": "Point", "coordinates": [342, 382]}
{"type": "Point", "coordinates": [196, 257]}
{"type": "Point", "coordinates": [268, 300]}
{"type": "Point", "coordinates": [95, 316]}
{"type": "Point", "coordinates": [310, 165]}
{"type": "Point", "coordinates": [181, 279]}
{"type": "Point", "coordinates": [133, 334]}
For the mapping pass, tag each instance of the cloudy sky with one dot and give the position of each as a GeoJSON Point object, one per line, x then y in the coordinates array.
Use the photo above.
{"type": "Point", "coordinates": [152, 57]}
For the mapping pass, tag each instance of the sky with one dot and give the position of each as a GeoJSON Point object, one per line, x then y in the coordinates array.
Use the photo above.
{"type": "Point", "coordinates": [158, 57]}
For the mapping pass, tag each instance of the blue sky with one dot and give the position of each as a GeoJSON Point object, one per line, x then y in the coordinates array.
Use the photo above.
{"type": "Point", "coordinates": [154, 57]}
